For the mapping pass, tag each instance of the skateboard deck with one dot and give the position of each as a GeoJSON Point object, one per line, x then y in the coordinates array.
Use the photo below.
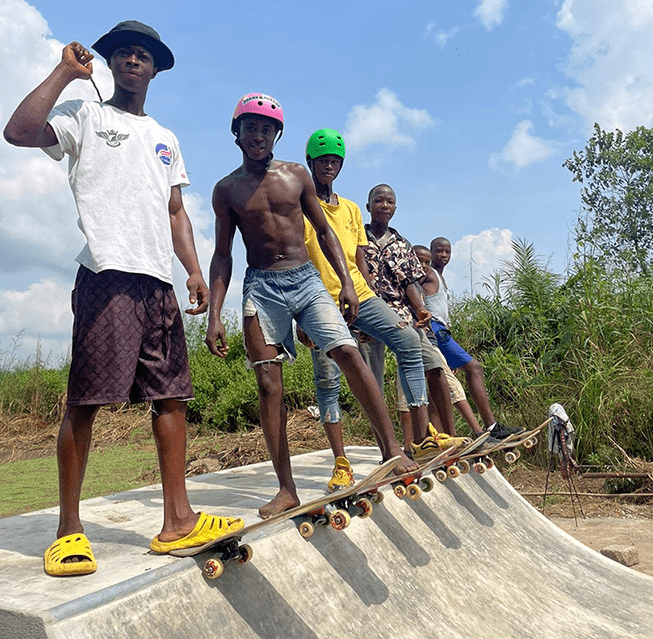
{"type": "Point", "coordinates": [229, 546]}
{"type": "Point", "coordinates": [412, 484]}
{"type": "Point", "coordinates": [457, 464]}
{"type": "Point", "coordinates": [527, 439]}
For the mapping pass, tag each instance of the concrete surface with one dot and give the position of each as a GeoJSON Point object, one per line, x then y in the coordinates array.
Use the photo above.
{"type": "Point", "coordinates": [470, 558]}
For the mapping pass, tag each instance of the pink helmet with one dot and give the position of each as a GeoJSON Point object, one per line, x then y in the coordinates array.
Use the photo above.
{"type": "Point", "coordinates": [261, 105]}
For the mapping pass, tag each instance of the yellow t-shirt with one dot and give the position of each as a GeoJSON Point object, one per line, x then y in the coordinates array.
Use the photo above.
{"type": "Point", "coordinates": [347, 223]}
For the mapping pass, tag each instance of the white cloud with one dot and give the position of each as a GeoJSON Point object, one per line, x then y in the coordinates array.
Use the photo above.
{"type": "Point", "coordinates": [203, 221]}
{"type": "Point", "coordinates": [37, 213]}
{"type": "Point", "coordinates": [47, 303]}
{"type": "Point", "coordinates": [610, 61]}
{"type": "Point", "coordinates": [35, 175]}
{"type": "Point", "coordinates": [386, 122]}
{"type": "Point", "coordinates": [475, 258]}
{"type": "Point", "coordinates": [491, 12]}
{"type": "Point", "coordinates": [522, 149]}
{"type": "Point", "coordinates": [440, 37]}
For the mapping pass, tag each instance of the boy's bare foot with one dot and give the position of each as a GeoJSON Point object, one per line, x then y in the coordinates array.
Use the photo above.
{"type": "Point", "coordinates": [284, 500]}
{"type": "Point", "coordinates": [406, 465]}
{"type": "Point", "coordinates": [181, 529]}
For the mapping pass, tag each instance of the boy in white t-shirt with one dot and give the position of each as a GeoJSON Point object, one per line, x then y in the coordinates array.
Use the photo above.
{"type": "Point", "coordinates": [126, 173]}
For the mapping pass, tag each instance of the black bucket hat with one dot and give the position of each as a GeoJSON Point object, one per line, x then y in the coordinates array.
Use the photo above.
{"type": "Point", "coordinates": [134, 32]}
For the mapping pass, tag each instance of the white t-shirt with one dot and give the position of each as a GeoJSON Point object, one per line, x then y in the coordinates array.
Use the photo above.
{"type": "Point", "coordinates": [121, 169]}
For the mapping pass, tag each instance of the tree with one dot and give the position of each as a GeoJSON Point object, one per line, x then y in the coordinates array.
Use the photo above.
{"type": "Point", "coordinates": [615, 223]}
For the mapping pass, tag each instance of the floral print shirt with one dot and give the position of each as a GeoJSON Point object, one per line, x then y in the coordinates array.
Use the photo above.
{"type": "Point", "coordinates": [392, 266]}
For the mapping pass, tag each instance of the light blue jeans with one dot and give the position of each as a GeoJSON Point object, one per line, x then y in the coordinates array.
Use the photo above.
{"type": "Point", "coordinates": [377, 319]}
{"type": "Point", "coordinates": [278, 297]}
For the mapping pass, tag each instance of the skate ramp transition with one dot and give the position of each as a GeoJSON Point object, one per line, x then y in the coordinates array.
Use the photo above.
{"type": "Point", "coordinates": [471, 558]}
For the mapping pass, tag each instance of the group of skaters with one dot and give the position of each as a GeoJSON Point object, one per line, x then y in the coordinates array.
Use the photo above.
{"type": "Point", "coordinates": [350, 289]}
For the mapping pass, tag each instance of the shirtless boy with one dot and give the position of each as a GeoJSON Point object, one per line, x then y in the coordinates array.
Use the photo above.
{"type": "Point", "coordinates": [436, 300]}
{"type": "Point", "coordinates": [128, 338]}
{"type": "Point", "coordinates": [267, 200]}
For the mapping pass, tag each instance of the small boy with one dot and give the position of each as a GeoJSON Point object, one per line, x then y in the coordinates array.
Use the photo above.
{"type": "Point", "coordinates": [267, 201]}
{"type": "Point", "coordinates": [436, 300]}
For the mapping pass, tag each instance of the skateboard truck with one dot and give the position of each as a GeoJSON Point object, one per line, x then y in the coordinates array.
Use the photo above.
{"type": "Point", "coordinates": [230, 551]}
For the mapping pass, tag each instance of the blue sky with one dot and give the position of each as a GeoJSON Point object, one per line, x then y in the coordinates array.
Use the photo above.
{"type": "Point", "coordinates": [467, 109]}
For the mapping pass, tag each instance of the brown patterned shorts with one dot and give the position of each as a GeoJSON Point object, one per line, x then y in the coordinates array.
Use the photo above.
{"type": "Point", "coordinates": [128, 340]}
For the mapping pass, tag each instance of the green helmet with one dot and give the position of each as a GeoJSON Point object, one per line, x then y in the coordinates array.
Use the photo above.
{"type": "Point", "coordinates": [325, 142]}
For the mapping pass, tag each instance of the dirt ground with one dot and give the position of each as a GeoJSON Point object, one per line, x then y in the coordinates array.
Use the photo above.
{"type": "Point", "coordinates": [597, 521]}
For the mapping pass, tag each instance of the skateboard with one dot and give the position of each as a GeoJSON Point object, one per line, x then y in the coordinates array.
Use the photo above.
{"type": "Point", "coordinates": [457, 463]}
{"type": "Point", "coordinates": [334, 508]}
{"type": "Point", "coordinates": [527, 439]}
{"type": "Point", "coordinates": [413, 483]}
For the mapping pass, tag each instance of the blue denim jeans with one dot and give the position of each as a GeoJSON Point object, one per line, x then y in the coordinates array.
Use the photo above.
{"type": "Point", "coordinates": [278, 297]}
{"type": "Point", "coordinates": [377, 319]}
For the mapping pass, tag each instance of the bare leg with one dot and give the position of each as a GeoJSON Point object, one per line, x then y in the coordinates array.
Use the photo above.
{"type": "Point", "coordinates": [434, 418]}
{"type": "Point", "coordinates": [169, 429]}
{"type": "Point", "coordinates": [420, 420]}
{"type": "Point", "coordinates": [439, 390]}
{"type": "Point", "coordinates": [334, 435]}
{"type": "Point", "coordinates": [476, 384]}
{"type": "Point", "coordinates": [73, 446]}
{"type": "Point", "coordinates": [366, 390]}
{"type": "Point", "coordinates": [468, 415]}
{"type": "Point", "coordinates": [273, 416]}
{"type": "Point", "coordinates": [407, 428]}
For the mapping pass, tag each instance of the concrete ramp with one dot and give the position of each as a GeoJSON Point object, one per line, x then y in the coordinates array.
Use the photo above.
{"type": "Point", "coordinates": [472, 558]}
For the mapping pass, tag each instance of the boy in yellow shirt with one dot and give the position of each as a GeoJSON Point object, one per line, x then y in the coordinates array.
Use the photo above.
{"type": "Point", "coordinates": [325, 154]}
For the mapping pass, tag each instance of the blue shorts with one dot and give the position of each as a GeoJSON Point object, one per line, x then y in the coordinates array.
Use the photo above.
{"type": "Point", "coordinates": [453, 352]}
{"type": "Point", "coordinates": [278, 297]}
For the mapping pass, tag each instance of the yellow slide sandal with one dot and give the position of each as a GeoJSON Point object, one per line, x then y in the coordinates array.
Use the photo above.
{"type": "Point", "coordinates": [76, 545]}
{"type": "Point", "coordinates": [207, 528]}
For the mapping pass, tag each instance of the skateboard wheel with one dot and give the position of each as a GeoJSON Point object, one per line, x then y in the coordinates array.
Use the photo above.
{"type": "Point", "coordinates": [413, 492]}
{"type": "Point", "coordinates": [340, 519]}
{"type": "Point", "coordinates": [306, 529]}
{"type": "Point", "coordinates": [489, 463]}
{"type": "Point", "coordinates": [480, 467]}
{"type": "Point", "coordinates": [453, 471]}
{"type": "Point", "coordinates": [511, 458]}
{"type": "Point", "coordinates": [427, 484]}
{"type": "Point", "coordinates": [400, 491]}
{"type": "Point", "coordinates": [366, 506]}
{"type": "Point", "coordinates": [213, 568]}
{"type": "Point", "coordinates": [529, 443]}
{"type": "Point", "coordinates": [377, 497]}
{"type": "Point", "coordinates": [464, 466]}
{"type": "Point", "coordinates": [246, 553]}
{"type": "Point", "coordinates": [441, 475]}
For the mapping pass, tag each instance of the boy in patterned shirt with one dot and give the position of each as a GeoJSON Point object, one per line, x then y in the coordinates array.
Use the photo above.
{"type": "Point", "coordinates": [394, 271]}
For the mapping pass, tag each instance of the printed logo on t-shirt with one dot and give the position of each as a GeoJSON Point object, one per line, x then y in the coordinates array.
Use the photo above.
{"type": "Point", "coordinates": [112, 137]}
{"type": "Point", "coordinates": [164, 153]}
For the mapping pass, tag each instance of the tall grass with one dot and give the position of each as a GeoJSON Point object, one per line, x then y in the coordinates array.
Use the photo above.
{"type": "Point", "coordinates": [585, 341]}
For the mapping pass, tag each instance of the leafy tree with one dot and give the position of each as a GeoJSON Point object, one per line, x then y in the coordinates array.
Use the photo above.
{"type": "Point", "coordinates": [615, 223]}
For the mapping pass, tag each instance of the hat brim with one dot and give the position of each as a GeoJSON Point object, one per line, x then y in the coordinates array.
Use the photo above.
{"type": "Point", "coordinates": [108, 43]}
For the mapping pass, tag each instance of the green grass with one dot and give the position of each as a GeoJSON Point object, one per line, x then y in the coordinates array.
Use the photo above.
{"type": "Point", "coordinates": [32, 484]}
